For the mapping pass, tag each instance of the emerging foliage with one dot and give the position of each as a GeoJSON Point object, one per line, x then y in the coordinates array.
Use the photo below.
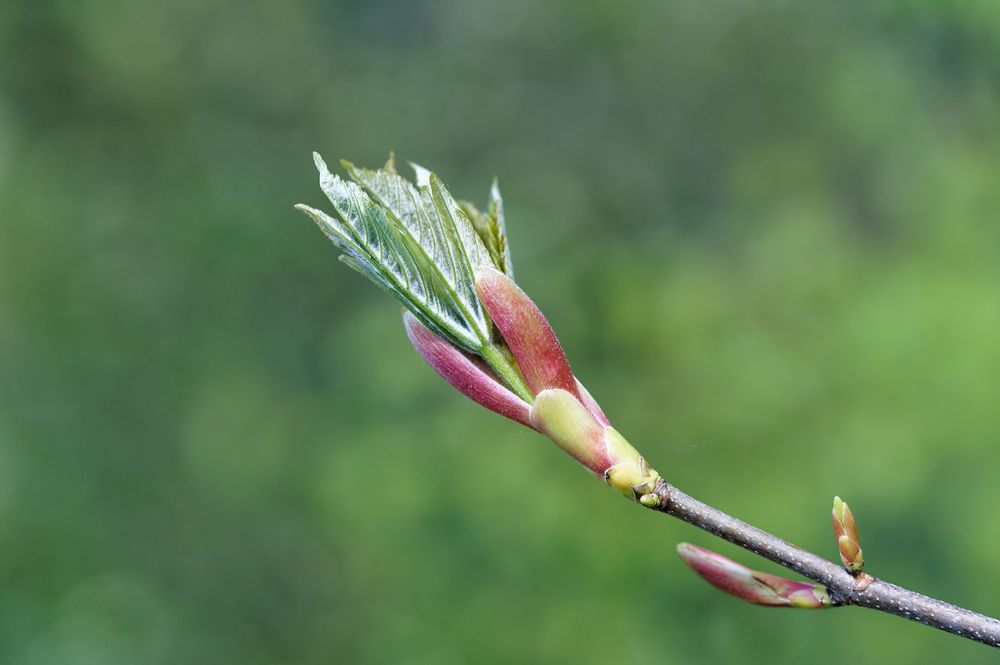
{"type": "Point", "coordinates": [449, 265]}
{"type": "Point", "coordinates": [414, 241]}
{"type": "Point", "coordinates": [492, 228]}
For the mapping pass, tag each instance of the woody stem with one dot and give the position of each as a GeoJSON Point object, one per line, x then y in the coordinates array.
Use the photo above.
{"type": "Point", "coordinates": [845, 589]}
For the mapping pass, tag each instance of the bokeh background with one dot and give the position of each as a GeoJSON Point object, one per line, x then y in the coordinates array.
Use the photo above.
{"type": "Point", "coordinates": [766, 232]}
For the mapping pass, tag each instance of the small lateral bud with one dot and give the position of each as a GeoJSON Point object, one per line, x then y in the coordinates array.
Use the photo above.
{"type": "Point", "coordinates": [846, 531]}
{"type": "Point", "coordinates": [751, 585]}
{"type": "Point", "coordinates": [566, 420]}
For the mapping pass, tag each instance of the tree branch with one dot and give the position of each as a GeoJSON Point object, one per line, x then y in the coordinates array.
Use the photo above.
{"type": "Point", "coordinates": [845, 589]}
{"type": "Point", "coordinates": [450, 268]}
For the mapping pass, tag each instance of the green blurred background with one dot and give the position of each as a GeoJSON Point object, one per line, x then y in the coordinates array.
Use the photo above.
{"type": "Point", "coordinates": [766, 233]}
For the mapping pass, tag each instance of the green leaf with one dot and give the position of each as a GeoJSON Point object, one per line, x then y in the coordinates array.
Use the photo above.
{"type": "Point", "coordinates": [414, 242]}
{"type": "Point", "coordinates": [492, 229]}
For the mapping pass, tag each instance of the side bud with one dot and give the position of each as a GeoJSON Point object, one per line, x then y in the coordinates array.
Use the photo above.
{"type": "Point", "coordinates": [846, 531]}
{"type": "Point", "coordinates": [751, 585]}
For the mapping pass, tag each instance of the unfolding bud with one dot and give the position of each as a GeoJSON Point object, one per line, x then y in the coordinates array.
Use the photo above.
{"type": "Point", "coordinates": [751, 585]}
{"type": "Point", "coordinates": [449, 265]}
{"type": "Point", "coordinates": [846, 531]}
{"type": "Point", "coordinates": [562, 409]}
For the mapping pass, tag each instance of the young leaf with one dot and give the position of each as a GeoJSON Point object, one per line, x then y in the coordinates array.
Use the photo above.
{"type": "Point", "coordinates": [498, 229]}
{"type": "Point", "coordinates": [492, 229]}
{"type": "Point", "coordinates": [429, 215]}
{"type": "Point", "coordinates": [378, 244]}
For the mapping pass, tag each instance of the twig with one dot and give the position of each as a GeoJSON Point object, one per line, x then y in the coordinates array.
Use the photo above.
{"type": "Point", "coordinates": [845, 589]}
{"type": "Point", "coordinates": [449, 266]}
